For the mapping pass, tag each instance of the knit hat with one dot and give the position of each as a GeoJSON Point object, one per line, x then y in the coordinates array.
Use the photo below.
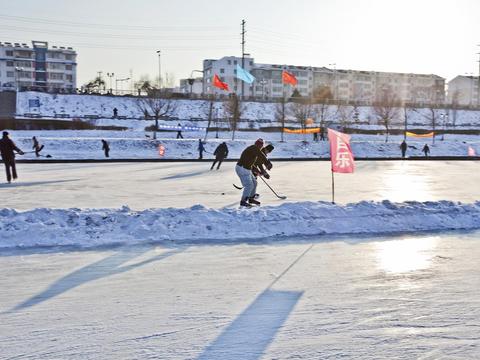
{"type": "Point", "coordinates": [259, 143]}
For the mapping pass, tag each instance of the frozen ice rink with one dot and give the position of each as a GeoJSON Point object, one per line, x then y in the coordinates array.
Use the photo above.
{"type": "Point", "coordinates": [321, 297]}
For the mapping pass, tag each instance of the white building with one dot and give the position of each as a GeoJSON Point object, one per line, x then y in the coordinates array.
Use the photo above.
{"type": "Point", "coordinates": [195, 87]}
{"type": "Point", "coordinates": [37, 67]}
{"type": "Point", "coordinates": [463, 90]}
{"type": "Point", "coordinates": [348, 85]}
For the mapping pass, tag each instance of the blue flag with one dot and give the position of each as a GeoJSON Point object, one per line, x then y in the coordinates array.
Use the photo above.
{"type": "Point", "coordinates": [244, 75]}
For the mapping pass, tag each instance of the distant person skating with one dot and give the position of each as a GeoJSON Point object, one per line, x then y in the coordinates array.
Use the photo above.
{"type": "Point", "coordinates": [36, 146]}
{"type": "Point", "coordinates": [7, 151]}
{"type": "Point", "coordinates": [179, 132]}
{"type": "Point", "coordinates": [201, 149]}
{"type": "Point", "coordinates": [105, 148]}
{"type": "Point", "coordinates": [315, 136]}
{"type": "Point", "coordinates": [403, 147]}
{"type": "Point", "coordinates": [115, 112]}
{"type": "Point", "coordinates": [426, 150]}
{"type": "Point", "coordinates": [244, 167]}
{"type": "Point", "coordinates": [322, 134]}
{"type": "Point", "coordinates": [221, 152]}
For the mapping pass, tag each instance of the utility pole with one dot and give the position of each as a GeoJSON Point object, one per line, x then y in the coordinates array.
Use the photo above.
{"type": "Point", "coordinates": [243, 54]}
{"type": "Point", "coordinates": [159, 71]}
{"type": "Point", "coordinates": [478, 89]}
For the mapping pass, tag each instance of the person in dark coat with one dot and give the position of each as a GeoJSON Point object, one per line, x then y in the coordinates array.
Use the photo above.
{"type": "Point", "coordinates": [179, 132]}
{"type": "Point", "coordinates": [36, 146]}
{"type": "Point", "coordinates": [259, 170]}
{"type": "Point", "coordinates": [105, 148]}
{"type": "Point", "coordinates": [244, 167]}
{"type": "Point", "coordinates": [221, 152]}
{"type": "Point", "coordinates": [201, 149]}
{"type": "Point", "coordinates": [322, 134]}
{"type": "Point", "coordinates": [115, 112]}
{"type": "Point", "coordinates": [7, 151]}
{"type": "Point", "coordinates": [403, 147]}
{"type": "Point", "coordinates": [426, 150]}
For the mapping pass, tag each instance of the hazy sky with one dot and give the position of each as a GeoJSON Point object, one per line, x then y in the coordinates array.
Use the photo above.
{"type": "Point", "coordinates": [419, 36]}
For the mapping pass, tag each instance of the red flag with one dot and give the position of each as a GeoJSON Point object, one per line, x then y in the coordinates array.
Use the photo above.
{"type": "Point", "coordinates": [219, 83]}
{"type": "Point", "coordinates": [288, 78]}
{"type": "Point", "coordinates": [161, 150]}
{"type": "Point", "coordinates": [340, 152]}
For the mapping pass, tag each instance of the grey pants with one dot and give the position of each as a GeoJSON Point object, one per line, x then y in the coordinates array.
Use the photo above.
{"type": "Point", "coordinates": [248, 180]}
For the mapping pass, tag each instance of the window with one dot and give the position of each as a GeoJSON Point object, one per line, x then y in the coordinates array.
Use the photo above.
{"type": "Point", "coordinates": [55, 76]}
{"type": "Point", "coordinates": [69, 77]}
{"type": "Point", "coordinates": [222, 71]}
{"type": "Point", "coordinates": [68, 67]}
{"type": "Point", "coordinates": [235, 62]}
{"type": "Point", "coordinates": [229, 62]}
{"type": "Point", "coordinates": [10, 63]}
{"type": "Point", "coordinates": [9, 53]}
{"type": "Point", "coordinates": [10, 74]}
{"type": "Point", "coordinates": [251, 63]}
{"type": "Point", "coordinates": [68, 57]}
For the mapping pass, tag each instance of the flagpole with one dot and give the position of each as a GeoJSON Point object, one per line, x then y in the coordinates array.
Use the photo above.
{"type": "Point", "coordinates": [333, 189]}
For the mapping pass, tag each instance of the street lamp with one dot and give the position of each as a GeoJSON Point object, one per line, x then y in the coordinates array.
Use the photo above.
{"type": "Point", "coordinates": [110, 75]}
{"type": "Point", "coordinates": [444, 120]}
{"type": "Point", "coordinates": [159, 70]}
{"type": "Point", "coordinates": [116, 84]}
{"type": "Point", "coordinates": [335, 78]}
{"type": "Point", "coordinates": [17, 87]}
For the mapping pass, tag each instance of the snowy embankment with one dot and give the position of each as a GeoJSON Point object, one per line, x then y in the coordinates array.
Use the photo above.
{"type": "Point", "coordinates": [97, 227]}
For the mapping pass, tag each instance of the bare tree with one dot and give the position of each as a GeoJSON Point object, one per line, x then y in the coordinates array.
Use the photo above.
{"type": "Point", "coordinates": [386, 110]}
{"type": "Point", "coordinates": [157, 106]}
{"type": "Point", "coordinates": [233, 110]}
{"type": "Point", "coordinates": [281, 114]}
{"type": "Point", "coordinates": [344, 113]}
{"type": "Point", "coordinates": [301, 110]}
{"type": "Point", "coordinates": [95, 85]}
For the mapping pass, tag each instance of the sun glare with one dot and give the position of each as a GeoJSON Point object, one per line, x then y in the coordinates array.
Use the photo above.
{"type": "Point", "coordinates": [401, 256]}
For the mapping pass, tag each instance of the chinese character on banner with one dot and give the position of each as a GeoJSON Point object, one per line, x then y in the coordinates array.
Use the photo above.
{"type": "Point", "coordinates": [161, 150]}
{"type": "Point", "coordinates": [340, 152]}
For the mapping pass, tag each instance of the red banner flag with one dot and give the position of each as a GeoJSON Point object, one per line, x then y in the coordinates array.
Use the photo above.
{"type": "Point", "coordinates": [340, 152]}
{"type": "Point", "coordinates": [161, 150]}
{"type": "Point", "coordinates": [219, 83]}
{"type": "Point", "coordinates": [288, 78]}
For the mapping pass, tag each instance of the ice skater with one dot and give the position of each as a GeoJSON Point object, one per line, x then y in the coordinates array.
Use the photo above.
{"type": "Point", "coordinates": [403, 147]}
{"type": "Point", "coordinates": [244, 166]}
{"type": "Point", "coordinates": [106, 148]}
{"type": "Point", "coordinates": [36, 146]}
{"type": "Point", "coordinates": [179, 132]}
{"type": "Point", "coordinates": [426, 150]}
{"type": "Point", "coordinates": [259, 170]}
{"type": "Point", "coordinates": [201, 149]}
{"type": "Point", "coordinates": [7, 151]}
{"type": "Point", "coordinates": [221, 152]}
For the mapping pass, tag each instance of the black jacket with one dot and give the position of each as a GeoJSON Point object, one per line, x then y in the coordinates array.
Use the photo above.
{"type": "Point", "coordinates": [7, 148]}
{"type": "Point", "coordinates": [221, 151]}
{"type": "Point", "coordinates": [250, 155]}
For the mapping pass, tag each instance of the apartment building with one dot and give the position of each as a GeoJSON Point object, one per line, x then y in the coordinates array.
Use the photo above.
{"type": "Point", "coordinates": [24, 67]}
{"type": "Point", "coordinates": [463, 90]}
{"type": "Point", "coordinates": [348, 85]}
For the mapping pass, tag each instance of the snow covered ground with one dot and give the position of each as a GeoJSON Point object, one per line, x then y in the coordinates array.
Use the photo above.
{"type": "Point", "coordinates": [105, 204]}
{"type": "Point", "coordinates": [403, 297]}
{"type": "Point", "coordinates": [86, 144]}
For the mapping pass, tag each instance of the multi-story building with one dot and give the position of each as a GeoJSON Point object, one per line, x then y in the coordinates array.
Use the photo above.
{"type": "Point", "coordinates": [348, 85]}
{"type": "Point", "coordinates": [463, 90]}
{"type": "Point", "coordinates": [37, 67]}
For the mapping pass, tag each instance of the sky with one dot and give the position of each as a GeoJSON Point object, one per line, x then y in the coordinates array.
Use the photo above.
{"type": "Point", "coordinates": [123, 37]}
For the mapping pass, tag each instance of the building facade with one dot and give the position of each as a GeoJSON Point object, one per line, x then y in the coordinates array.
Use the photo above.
{"type": "Point", "coordinates": [348, 85]}
{"type": "Point", "coordinates": [37, 67]}
{"type": "Point", "coordinates": [463, 91]}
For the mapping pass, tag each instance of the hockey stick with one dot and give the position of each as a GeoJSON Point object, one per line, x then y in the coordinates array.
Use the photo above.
{"type": "Point", "coordinates": [237, 187]}
{"type": "Point", "coordinates": [279, 196]}
{"type": "Point", "coordinates": [31, 152]}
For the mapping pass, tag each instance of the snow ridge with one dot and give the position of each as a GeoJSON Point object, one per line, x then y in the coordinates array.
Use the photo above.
{"type": "Point", "coordinates": [98, 227]}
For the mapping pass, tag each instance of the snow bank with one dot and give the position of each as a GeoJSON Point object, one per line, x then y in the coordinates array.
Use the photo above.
{"type": "Point", "coordinates": [96, 227]}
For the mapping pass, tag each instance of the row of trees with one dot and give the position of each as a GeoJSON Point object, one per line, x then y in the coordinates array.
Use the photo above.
{"type": "Point", "coordinates": [158, 104]}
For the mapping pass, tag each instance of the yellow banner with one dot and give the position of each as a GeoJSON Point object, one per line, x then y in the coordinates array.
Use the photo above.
{"type": "Point", "coordinates": [302, 131]}
{"type": "Point", "coordinates": [428, 135]}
